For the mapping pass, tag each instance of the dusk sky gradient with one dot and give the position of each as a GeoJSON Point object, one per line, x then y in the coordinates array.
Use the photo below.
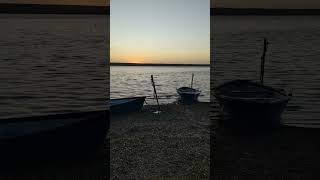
{"type": "Point", "coordinates": [160, 31]}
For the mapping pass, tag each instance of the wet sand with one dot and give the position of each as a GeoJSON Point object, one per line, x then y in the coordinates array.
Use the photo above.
{"type": "Point", "coordinates": [291, 152]}
{"type": "Point", "coordinates": [174, 144]}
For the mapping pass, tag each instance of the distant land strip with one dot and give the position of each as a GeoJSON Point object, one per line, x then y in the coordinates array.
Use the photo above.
{"type": "Point", "coordinates": [150, 64]}
{"type": "Point", "coordinates": [6, 8]}
{"type": "Point", "coordinates": [264, 12]}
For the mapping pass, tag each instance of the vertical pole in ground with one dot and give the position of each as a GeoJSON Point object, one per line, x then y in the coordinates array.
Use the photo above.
{"type": "Point", "coordinates": [155, 92]}
{"type": "Point", "coordinates": [192, 80]}
{"type": "Point", "coordinates": [265, 47]}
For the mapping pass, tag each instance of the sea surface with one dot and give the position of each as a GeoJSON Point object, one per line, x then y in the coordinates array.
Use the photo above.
{"type": "Point", "coordinates": [292, 60]}
{"type": "Point", "coordinates": [53, 64]}
{"type": "Point", "coordinates": [127, 81]}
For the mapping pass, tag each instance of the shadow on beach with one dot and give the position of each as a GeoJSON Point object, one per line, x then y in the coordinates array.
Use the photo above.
{"type": "Point", "coordinates": [285, 151]}
{"type": "Point", "coordinates": [56, 165]}
{"type": "Point", "coordinates": [53, 165]}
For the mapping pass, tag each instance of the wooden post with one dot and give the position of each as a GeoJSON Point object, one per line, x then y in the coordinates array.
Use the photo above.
{"type": "Point", "coordinates": [155, 92]}
{"type": "Point", "coordinates": [265, 48]}
{"type": "Point", "coordinates": [192, 80]}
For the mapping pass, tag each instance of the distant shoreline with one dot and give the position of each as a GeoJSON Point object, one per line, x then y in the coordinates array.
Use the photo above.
{"type": "Point", "coordinates": [150, 64]}
{"type": "Point", "coordinates": [6, 8]}
{"type": "Point", "coordinates": [263, 12]}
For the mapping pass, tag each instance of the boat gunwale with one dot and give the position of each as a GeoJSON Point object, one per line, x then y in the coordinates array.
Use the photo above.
{"type": "Point", "coordinates": [254, 100]}
{"type": "Point", "coordinates": [284, 98]}
{"type": "Point", "coordinates": [196, 91]}
{"type": "Point", "coordinates": [130, 99]}
{"type": "Point", "coordinates": [137, 97]}
{"type": "Point", "coordinates": [80, 115]}
{"type": "Point", "coordinates": [253, 83]}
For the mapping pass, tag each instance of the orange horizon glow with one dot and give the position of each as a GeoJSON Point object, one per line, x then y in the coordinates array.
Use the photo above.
{"type": "Point", "coordinates": [153, 57]}
{"type": "Point", "coordinates": [138, 61]}
{"type": "Point", "coordinates": [131, 59]}
{"type": "Point", "coordinates": [161, 52]}
{"type": "Point", "coordinates": [160, 32]}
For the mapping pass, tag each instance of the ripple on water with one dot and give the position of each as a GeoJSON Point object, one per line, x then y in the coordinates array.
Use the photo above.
{"type": "Point", "coordinates": [292, 61]}
{"type": "Point", "coordinates": [135, 81]}
{"type": "Point", "coordinates": [46, 69]}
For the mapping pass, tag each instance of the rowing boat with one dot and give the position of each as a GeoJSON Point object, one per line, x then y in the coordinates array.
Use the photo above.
{"type": "Point", "coordinates": [251, 102]}
{"type": "Point", "coordinates": [188, 94]}
{"type": "Point", "coordinates": [127, 105]}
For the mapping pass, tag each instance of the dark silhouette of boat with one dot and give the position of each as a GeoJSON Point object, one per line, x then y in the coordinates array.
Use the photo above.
{"type": "Point", "coordinates": [188, 94]}
{"type": "Point", "coordinates": [59, 134]}
{"type": "Point", "coordinates": [127, 105]}
{"type": "Point", "coordinates": [249, 101]}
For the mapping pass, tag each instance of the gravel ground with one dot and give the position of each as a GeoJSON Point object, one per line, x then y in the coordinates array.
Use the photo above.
{"type": "Point", "coordinates": [284, 153]}
{"type": "Point", "coordinates": [174, 144]}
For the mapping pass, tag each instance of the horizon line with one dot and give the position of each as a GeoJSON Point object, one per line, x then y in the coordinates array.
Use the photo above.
{"type": "Point", "coordinates": [155, 64]}
{"type": "Point", "coordinates": [15, 8]}
{"type": "Point", "coordinates": [262, 11]}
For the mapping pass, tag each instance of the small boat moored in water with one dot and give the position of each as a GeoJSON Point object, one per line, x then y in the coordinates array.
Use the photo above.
{"type": "Point", "coordinates": [251, 102]}
{"type": "Point", "coordinates": [188, 94]}
{"type": "Point", "coordinates": [126, 105]}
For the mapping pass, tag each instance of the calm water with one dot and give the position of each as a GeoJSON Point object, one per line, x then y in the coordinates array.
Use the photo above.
{"type": "Point", "coordinates": [292, 61]}
{"type": "Point", "coordinates": [129, 81]}
{"type": "Point", "coordinates": [52, 63]}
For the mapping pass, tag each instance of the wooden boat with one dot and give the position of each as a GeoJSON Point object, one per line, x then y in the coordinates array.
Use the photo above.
{"type": "Point", "coordinates": [57, 134]}
{"type": "Point", "coordinates": [188, 94]}
{"type": "Point", "coordinates": [250, 101]}
{"type": "Point", "coordinates": [126, 105]}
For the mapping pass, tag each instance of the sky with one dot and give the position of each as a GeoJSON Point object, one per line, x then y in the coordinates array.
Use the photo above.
{"type": "Point", "coordinates": [281, 4]}
{"type": "Point", "coordinates": [160, 31]}
{"type": "Point", "coordinates": [63, 2]}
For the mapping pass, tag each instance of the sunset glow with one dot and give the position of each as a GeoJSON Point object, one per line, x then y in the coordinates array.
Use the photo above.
{"type": "Point", "coordinates": [160, 31]}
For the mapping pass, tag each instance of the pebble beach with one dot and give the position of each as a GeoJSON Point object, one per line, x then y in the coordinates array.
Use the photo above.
{"type": "Point", "coordinates": [173, 144]}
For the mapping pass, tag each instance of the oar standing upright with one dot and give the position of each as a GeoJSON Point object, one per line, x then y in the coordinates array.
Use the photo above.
{"type": "Point", "coordinates": [155, 93]}
{"type": "Point", "coordinates": [265, 48]}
